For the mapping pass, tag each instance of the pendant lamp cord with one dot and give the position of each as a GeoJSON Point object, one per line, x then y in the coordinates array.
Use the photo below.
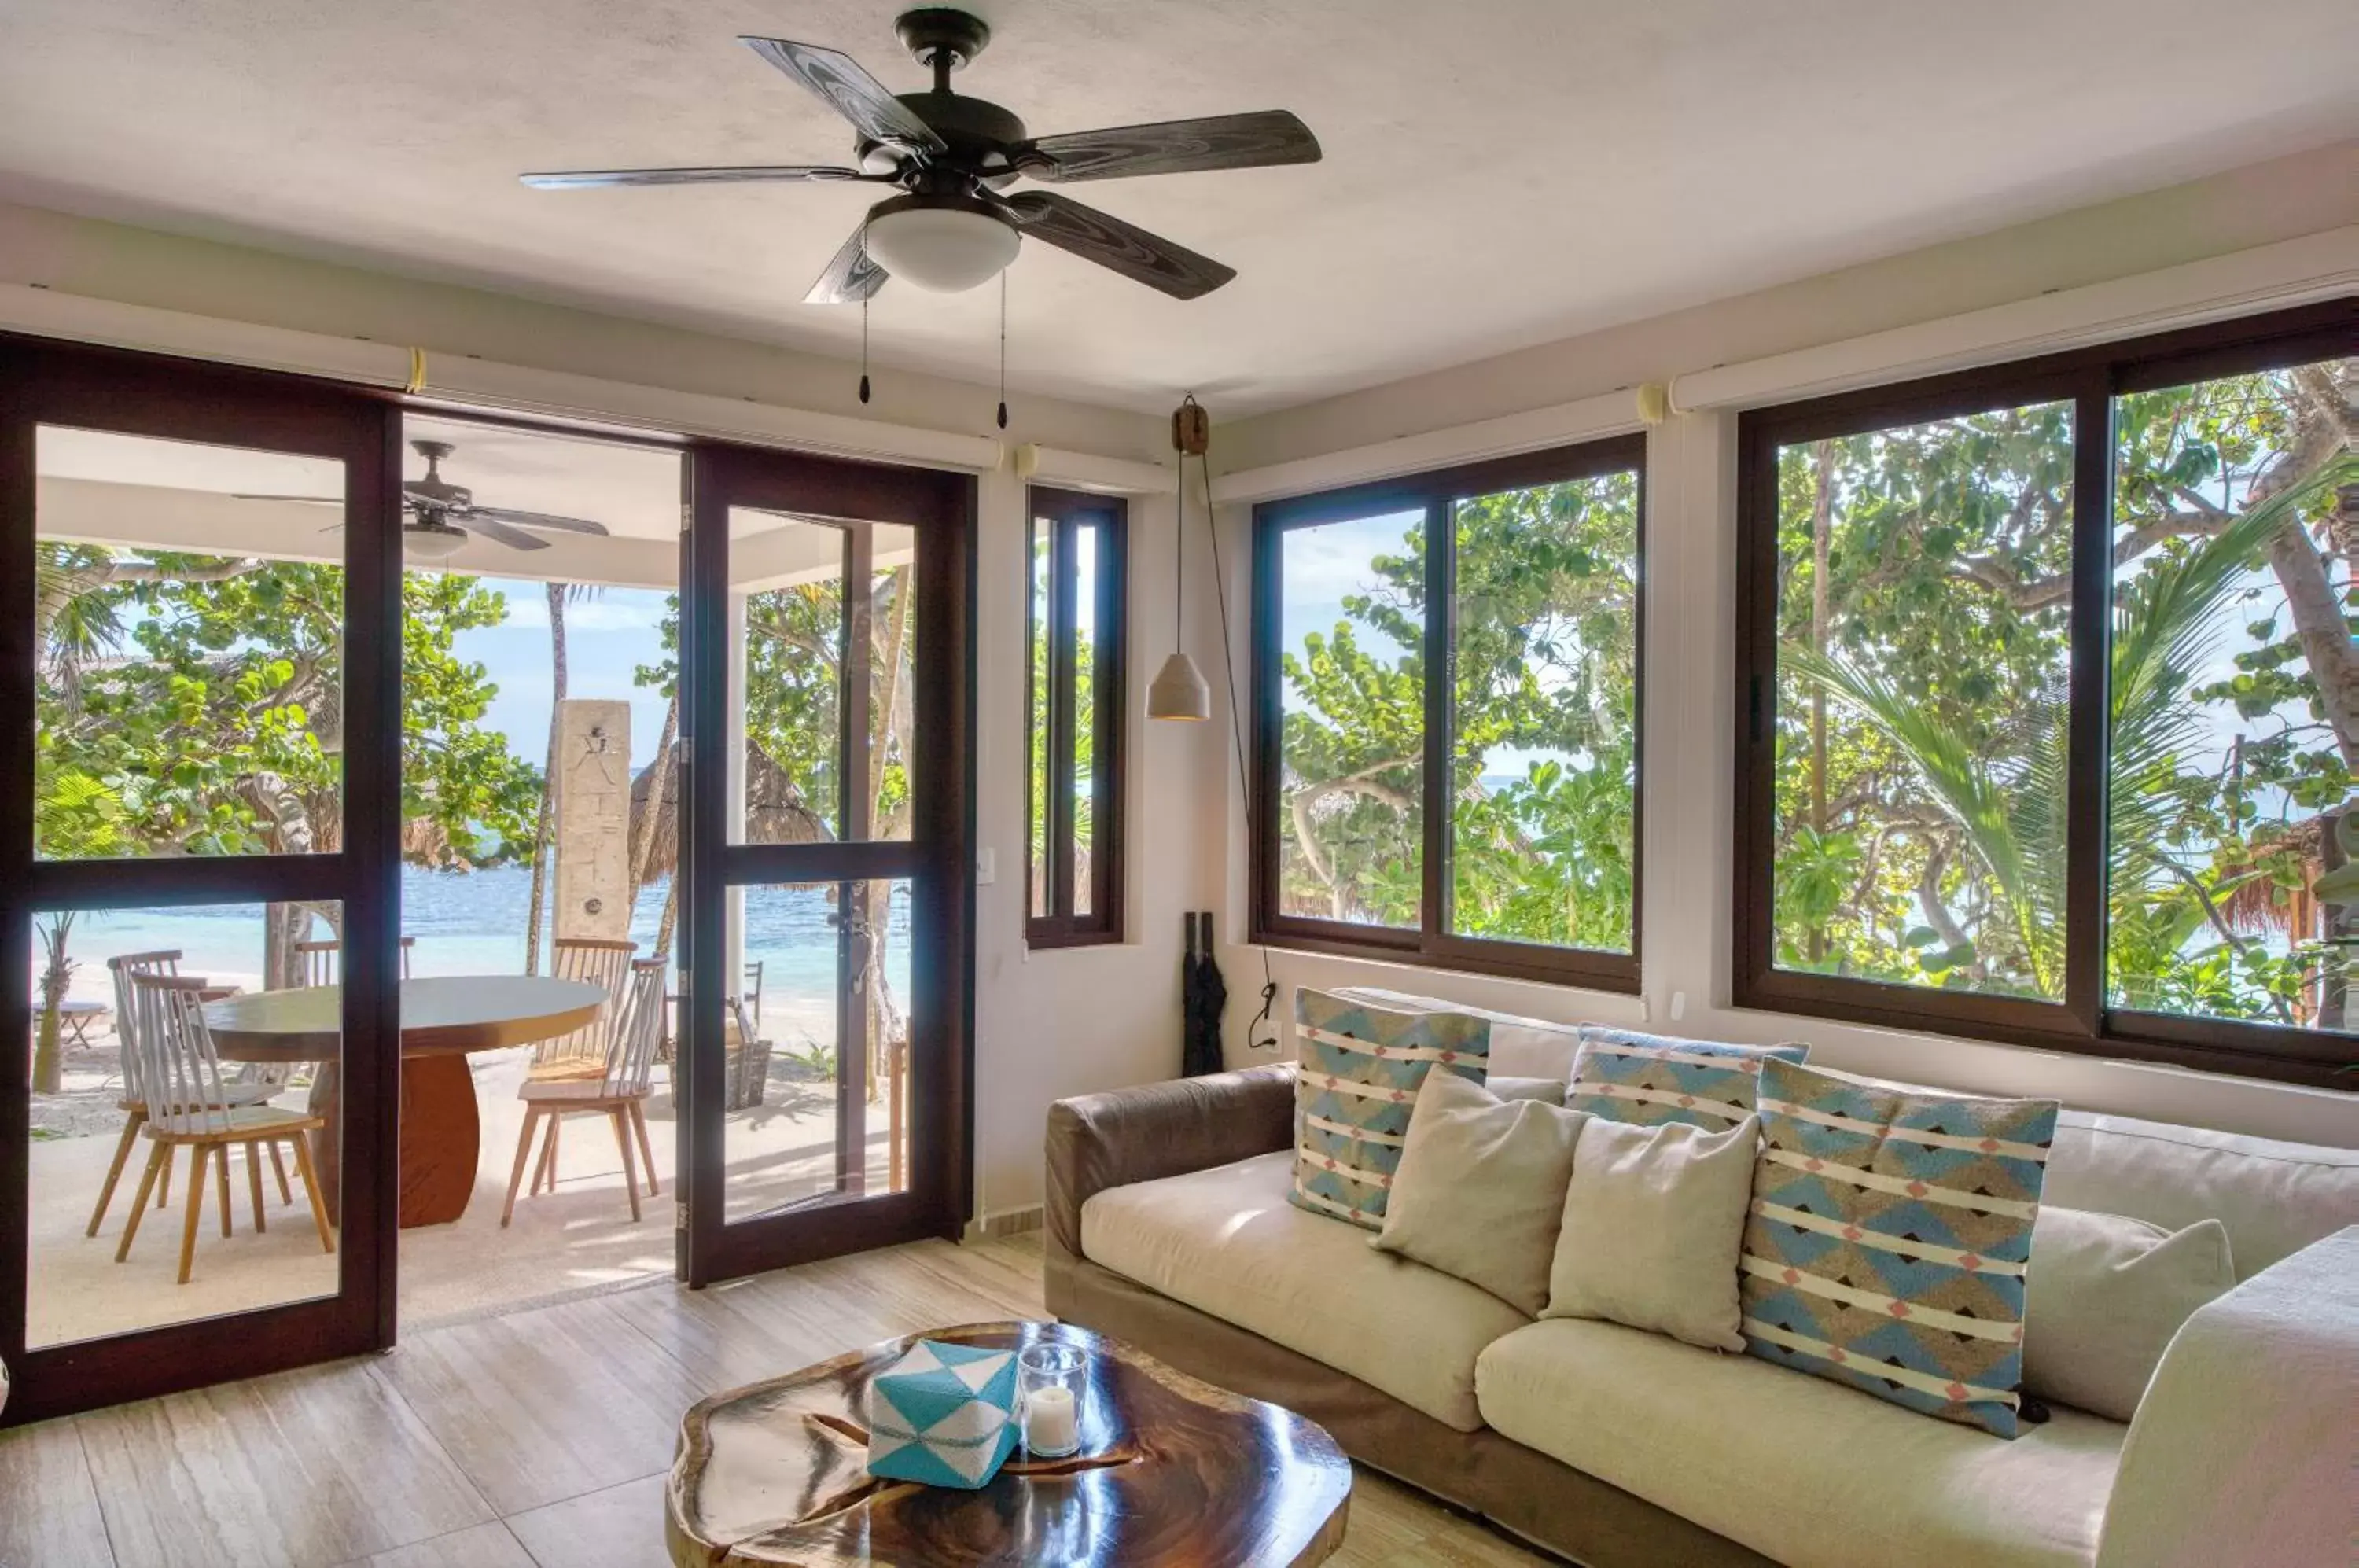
{"type": "Point", "coordinates": [1261, 1034]}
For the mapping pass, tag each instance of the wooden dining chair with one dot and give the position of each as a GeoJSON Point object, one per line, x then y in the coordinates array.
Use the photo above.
{"type": "Point", "coordinates": [319, 958]}
{"type": "Point", "coordinates": [619, 1093]}
{"type": "Point", "coordinates": [124, 968]}
{"type": "Point", "coordinates": [187, 1108]}
{"type": "Point", "coordinates": [581, 1055]}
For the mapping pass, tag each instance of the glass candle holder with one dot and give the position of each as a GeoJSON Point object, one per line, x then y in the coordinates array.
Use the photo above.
{"type": "Point", "coordinates": [1048, 1384]}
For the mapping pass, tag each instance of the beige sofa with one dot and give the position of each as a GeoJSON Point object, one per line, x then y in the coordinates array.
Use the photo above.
{"type": "Point", "coordinates": [1169, 1225]}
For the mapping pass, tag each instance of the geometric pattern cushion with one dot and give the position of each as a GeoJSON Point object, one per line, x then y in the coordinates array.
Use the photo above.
{"type": "Point", "coordinates": [1360, 1069]}
{"type": "Point", "coordinates": [943, 1415]}
{"type": "Point", "coordinates": [1890, 1240]}
{"type": "Point", "coordinates": [1647, 1080]}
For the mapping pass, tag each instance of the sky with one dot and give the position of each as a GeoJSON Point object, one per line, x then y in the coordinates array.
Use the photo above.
{"type": "Point", "coordinates": [607, 636]}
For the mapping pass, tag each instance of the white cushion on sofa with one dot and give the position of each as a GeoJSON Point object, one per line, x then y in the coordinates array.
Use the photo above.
{"type": "Point", "coordinates": [2276, 1198]}
{"type": "Point", "coordinates": [1799, 1469]}
{"type": "Point", "coordinates": [1225, 1241]}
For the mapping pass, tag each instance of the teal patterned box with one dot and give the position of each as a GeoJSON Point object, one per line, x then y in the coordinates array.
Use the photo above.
{"type": "Point", "coordinates": [943, 1415]}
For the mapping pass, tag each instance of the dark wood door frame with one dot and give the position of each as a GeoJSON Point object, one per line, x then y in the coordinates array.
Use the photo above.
{"type": "Point", "coordinates": [146, 395]}
{"type": "Point", "coordinates": [941, 508]}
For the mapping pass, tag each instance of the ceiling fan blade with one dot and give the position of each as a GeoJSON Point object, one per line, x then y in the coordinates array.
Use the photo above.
{"type": "Point", "coordinates": [500, 533]}
{"type": "Point", "coordinates": [468, 520]}
{"type": "Point", "coordinates": [851, 92]}
{"type": "Point", "coordinates": [793, 172]}
{"type": "Point", "coordinates": [1173, 146]}
{"type": "Point", "coordinates": [314, 500]}
{"type": "Point", "coordinates": [851, 276]}
{"type": "Point", "coordinates": [1126, 249]}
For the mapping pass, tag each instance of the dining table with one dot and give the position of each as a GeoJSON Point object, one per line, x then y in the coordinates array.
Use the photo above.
{"type": "Point", "coordinates": [444, 1020]}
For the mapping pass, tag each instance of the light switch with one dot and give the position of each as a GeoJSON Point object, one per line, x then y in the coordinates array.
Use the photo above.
{"type": "Point", "coordinates": [986, 868]}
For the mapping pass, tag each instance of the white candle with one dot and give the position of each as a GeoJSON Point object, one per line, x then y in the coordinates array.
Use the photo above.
{"type": "Point", "coordinates": [1051, 1422]}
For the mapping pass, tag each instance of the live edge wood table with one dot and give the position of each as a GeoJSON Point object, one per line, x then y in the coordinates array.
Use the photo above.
{"type": "Point", "coordinates": [443, 1017]}
{"type": "Point", "coordinates": [1172, 1474]}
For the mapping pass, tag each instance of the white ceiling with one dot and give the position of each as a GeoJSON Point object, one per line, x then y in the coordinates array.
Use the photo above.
{"type": "Point", "coordinates": [1498, 172]}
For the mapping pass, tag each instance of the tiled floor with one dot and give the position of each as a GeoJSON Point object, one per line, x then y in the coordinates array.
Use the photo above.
{"type": "Point", "coordinates": [534, 1440]}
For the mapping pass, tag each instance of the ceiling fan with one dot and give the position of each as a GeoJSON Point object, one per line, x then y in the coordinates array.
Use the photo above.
{"type": "Point", "coordinates": [441, 515]}
{"type": "Point", "coordinates": [952, 155]}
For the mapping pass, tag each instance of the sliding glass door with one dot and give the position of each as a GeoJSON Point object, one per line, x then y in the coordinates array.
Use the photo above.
{"type": "Point", "coordinates": [199, 669]}
{"type": "Point", "coordinates": [826, 660]}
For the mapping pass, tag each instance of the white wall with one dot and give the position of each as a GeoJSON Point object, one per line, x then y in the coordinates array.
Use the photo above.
{"type": "Point", "coordinates": [1046, 1025]}
{"type": "Point", "coordinates": [1690, 534]}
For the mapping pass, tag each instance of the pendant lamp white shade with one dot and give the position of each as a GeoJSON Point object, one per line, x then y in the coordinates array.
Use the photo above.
{"type": "Point", "coordinates": [1179, 692]}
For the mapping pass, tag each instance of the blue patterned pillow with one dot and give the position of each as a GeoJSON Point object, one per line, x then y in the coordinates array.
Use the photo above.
{"type": "Point", "coordinates": [1649, 1079]}
{"type": "Point", "coordinates": [1890, 1240]}
{"type": "Point", "coordinates": [1360, 1070]}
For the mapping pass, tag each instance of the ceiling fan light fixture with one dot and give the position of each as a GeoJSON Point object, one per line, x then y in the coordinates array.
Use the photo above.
{"type": "Point", "coordinates": [432, 541]}
{"type": "Point", "coordinates": [943, 249]}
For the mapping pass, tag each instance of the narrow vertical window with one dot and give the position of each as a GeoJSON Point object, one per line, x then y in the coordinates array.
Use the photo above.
{"type": "Point", "coordinates": [1073, 709]}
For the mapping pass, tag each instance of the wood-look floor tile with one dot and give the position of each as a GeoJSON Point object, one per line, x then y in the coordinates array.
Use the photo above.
{"type": "Point", "coordinates": [485, 1546]}
{"type": "Point", "coordinates": [622, 1527]}
{"type": "Point", "coordinates": [299, 1468]}
{"type": "Point", "coordinates": [48, 1506]}
{"type": "Point", "coordinates": [543, 1405]}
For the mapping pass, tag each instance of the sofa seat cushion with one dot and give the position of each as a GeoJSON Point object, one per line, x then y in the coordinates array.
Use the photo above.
{"type": "Point", "coordinates": [1227, 1242]}
{"type": "Point", "coordinates": [1799, 1469]}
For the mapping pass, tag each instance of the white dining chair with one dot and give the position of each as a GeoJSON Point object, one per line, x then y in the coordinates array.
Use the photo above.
{"type": "Point", "coordinates": [187, 1108]}
{"type": "Point", "coordinates": [619, 1093]}
{"type": "Point", "coordinates": [596, 962]}
{"type": "Point", "coordinates": [122, 969]}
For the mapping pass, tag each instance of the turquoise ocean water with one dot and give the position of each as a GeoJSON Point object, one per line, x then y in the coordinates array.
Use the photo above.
{"type": "Point", "coordinates": [473, 924]}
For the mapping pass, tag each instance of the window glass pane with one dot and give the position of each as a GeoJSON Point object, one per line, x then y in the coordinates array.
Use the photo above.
{"type": "Point", "coordinates": [1085, 700]}
{"type": "Point", "coordinates": [1042, 663]}
{"type": "Point", "coordinates": [1923, 659]}
{"type": "Point", "coordinates": [786, 679]}
{"type": "Point", "coordinates": [806, 1120]}
{"type": "Point", "coordinates": [189, 678]}
{"type": "Point", "coordinates": [107, 986]}
{"type": "Point", "coordinates": [1544, 714]}
{"type": "Point", "coordinates": [892, 701]}
{"type": "Point", "coordinates": [2235, 718]}
{"type": "Point", "coordinates": [1352, 703]}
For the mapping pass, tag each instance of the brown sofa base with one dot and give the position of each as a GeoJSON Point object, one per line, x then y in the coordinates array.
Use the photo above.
{"type": "Point", "coordinates": [1518, 1488]}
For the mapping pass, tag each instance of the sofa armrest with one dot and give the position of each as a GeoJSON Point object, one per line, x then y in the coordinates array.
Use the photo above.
{"type": "Point", "coordinates": [1097, 1142]}
{"type": "Point", "coordinates": [2241, 1452]}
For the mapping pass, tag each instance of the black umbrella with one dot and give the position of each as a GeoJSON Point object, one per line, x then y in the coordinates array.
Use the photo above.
{"type": "Point", "coordinates": [1204, 998]}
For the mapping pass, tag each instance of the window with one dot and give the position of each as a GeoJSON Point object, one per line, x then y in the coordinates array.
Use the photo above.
{"type": "Point", "coordinates": [1488, 822]}
{"type": "Point", "coordinates": [1074, 708]}
{"type": "Point", "coordinates": [2049, 700]}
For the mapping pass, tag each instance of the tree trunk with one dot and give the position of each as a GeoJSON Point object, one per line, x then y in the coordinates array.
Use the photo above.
{"type": "Point", "coordinates": [57, 973]}
{"type": "Point", "coordinates": [1822, 506]}
{"type": "Point", "coordinates": [546, 832]}
{"type": "Point", "coordinates": [891, 637]}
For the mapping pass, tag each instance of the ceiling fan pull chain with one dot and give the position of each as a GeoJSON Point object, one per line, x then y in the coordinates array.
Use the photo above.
{"type": "Point", "coordinates": [863, 350]}
{"type": "Point", "coordinates": [1003, 351]}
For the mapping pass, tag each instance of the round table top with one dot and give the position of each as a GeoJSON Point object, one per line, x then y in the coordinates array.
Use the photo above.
{"type": "Point", "coordinates": [442, 1014]}
{"type": "Point", "coordinates": [1172, 1473]}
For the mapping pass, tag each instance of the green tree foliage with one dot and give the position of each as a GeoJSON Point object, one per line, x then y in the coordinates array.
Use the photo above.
{"type": "Point", "coordinates": [1544, 665]}
{"type": "Point", "coordinates": [190, 705]}
{"type": "Point", "coordinates": [1922, 697]}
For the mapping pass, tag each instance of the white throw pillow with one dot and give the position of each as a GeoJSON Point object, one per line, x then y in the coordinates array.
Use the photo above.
{"type": "Point", "coordinates": [1654, 1221]}
{"type": "Point", "coordinates": [1480, 1188]}
{"type": "Point", "coordinates": [2103, 1297]}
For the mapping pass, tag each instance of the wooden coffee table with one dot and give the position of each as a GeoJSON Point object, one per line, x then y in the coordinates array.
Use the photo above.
{"type": "Point", "coordinates": [1171, 1472]}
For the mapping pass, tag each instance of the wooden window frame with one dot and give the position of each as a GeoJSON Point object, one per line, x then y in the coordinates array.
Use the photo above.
{"type": "Point", "coordinates": [2081, 1022]}
{"type": "Point", "coordinates": [1431, 944]}
{"type": "Point", "coordinates": [1065, 512]}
